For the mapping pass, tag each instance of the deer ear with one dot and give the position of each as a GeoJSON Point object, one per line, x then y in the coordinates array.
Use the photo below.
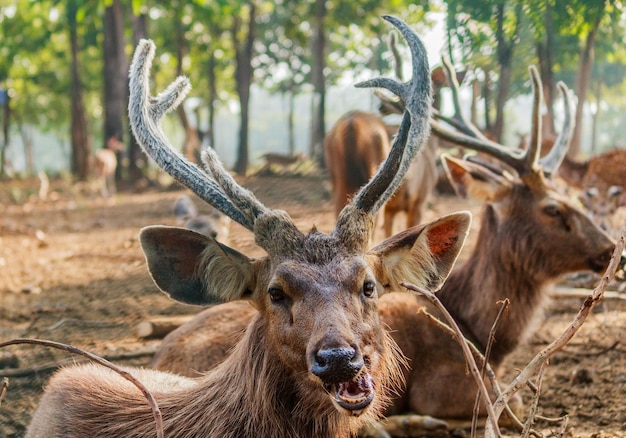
{"type": "Point", "coordinates": [193, 268]}
{"type": "Point", "coordinates": [424, 254]}
{"type": "Point", "coordinates": [475, 181]}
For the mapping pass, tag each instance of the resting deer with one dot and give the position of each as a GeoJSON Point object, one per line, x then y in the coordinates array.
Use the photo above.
{"type": "Point", "coordinates": [213, 224]}
{"type": "Point", "coordinates": [105, 164]}
{"type": "Point", "coordinates": [530, 235]}
{"type": "Point", "coordinates": [315, 360]}
{"type": "Point", "coordinates": [603, 208]}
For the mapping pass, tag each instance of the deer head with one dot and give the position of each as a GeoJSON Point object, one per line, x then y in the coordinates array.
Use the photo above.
{"type": "Point", "coordinates": [523, 194]}
{"type": "Point", "coordinates": [316, 293]}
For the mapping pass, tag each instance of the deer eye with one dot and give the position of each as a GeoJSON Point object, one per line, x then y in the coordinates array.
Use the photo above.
{"type": "Point", "coordinates": [552, 211]}
{"type": "Point", "coordinates": [369, 287]}
{"type": "Point", "coordinates": [276, 295]}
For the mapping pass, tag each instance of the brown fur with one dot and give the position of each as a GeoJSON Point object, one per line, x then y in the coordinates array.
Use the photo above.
{"type": "Point", "coordinates": [520, 252]}
{"type": "Point", "coordinates": [105, 164]}
{"type": "Point", "coordinates": [315, 361]}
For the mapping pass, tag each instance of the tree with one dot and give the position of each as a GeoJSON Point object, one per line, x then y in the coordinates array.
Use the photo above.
{"type": "Point", "coordinates": [243, 33]}
{"type": "Point", "coordinates": [81, 141]}
{"type": "Point", "coordinates": [115, 76]}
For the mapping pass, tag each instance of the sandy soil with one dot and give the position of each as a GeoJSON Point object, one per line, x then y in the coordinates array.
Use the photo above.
{"type": "Point", "coordinates": [71, 270]}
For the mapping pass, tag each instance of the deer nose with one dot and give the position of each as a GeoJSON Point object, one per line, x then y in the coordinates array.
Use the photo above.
{"type": "Point", "coordinates": [335, 365]}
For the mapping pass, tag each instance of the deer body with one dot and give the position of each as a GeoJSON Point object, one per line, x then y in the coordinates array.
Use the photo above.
{"type": "Point", "coordinates": [315, 360]}
{"type": "Point", "coordinates": [105, 164]}
{"type": "Point", "coordinates": [530, 235]}
{"type": "Point", "coordinates": [213, 223]}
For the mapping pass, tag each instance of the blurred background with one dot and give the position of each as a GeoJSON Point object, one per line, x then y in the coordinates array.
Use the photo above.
{"type": "Point", "coordinates": [272, 77]}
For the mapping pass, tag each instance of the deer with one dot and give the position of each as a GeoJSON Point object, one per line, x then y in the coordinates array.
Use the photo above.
{"type": "Point", "coordinates": [105, 164]}
{"type": "Point", "coordinates": [529, 236]}
{"type": "Point", "coordinates": [213, 223]}
{"type": "Point", "coordinates": [359, 141]}
{"type": "Point", "coordinates": [603, 207]}
{"type": "Point", "coordinates": [315, 360]}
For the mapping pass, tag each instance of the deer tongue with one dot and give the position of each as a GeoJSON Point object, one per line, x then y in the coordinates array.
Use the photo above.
{"type": "Point", "coordinates": [356, 394]}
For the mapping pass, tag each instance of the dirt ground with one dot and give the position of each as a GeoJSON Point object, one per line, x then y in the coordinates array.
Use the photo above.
{"type": "Point", "coordinates": [71, 270]}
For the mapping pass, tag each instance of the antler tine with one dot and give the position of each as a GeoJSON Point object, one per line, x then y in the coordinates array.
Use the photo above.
{"type": "Point", "coordinates": [551, 162]}
{"type": "Point", "coordinates": [459, 121]}
{"type": "Point", "coordinates": [414, 129]}
{"type": "Point", "coordinates": [523, 161]}
{"type": "Point", "coordinates": [241, 197]}
{"type": "Point", "coordinates": [512, 157]}
{"type": "Point", "coordinates": [145, 114]}
{"type": "Point", "coordinates": [397, 59]}
{"type": "Point", "coordinates": [531, 157]}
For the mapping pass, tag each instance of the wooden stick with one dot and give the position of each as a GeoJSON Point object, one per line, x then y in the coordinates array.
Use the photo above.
{"type": "Point", "coordinates": [469, 358]}
{"type": "Point", "coordinates": [26, 372]}
{"type": "Point", "coordinates": [159, 327]}
{"type": "Point", "coordinates": [538, 361]}
{"type": "Point", "coordinates": [156, 413]}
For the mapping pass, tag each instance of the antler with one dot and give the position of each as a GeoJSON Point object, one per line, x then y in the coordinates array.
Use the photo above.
{"type": "Point", "coordinates": [413, 132]}
{"type": "Point", "coordinates": [216, 187]}
{"type": "Point", "coordinates": [525, 162]}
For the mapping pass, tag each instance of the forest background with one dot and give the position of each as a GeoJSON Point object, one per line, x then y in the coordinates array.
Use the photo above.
{"type": "Point", "coordinates": [272, 76]}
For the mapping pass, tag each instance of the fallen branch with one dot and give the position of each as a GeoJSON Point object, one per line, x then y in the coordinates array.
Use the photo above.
{"type": "Point", "coordinates": [156, 413]}
{"type": "Point", "coordinates": [563, 292]}
{"type": "Point", "coordinates": [159, 327]}
{"type": "Point", "coordinates": [48, 367]}
{"type": "Point", "coordinates": [541, 358]}
{"type": "Point", "coordinates": [492, 337]}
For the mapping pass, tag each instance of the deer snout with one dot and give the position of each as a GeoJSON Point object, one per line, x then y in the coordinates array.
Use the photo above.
{"type": "Point", "coordinates": [601, 261]}
{"type": "Point", "coordinates": [334, 365]}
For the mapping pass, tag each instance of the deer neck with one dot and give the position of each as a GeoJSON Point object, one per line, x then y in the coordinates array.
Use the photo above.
{"type": "Point", "coordinates": [496, 271]}
{"type": "Point", "coordinates": [251, 394]}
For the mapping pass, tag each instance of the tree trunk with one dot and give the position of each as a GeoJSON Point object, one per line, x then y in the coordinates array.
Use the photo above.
{"type": "Point", "coordinates": [290, 126]}
{"type": "Point", "coordinates": [545, 54]}
{"type": "Point", "coordinates": [212, 77]}
{"type": "Point", "coordinates": [244, 80]}
{"type": "Point", "coordinates": [582, 85]}
{"type": "Point", "coordinates": [5, 102]}
{"type": "Point", "coordinates": [136, 160]}
{"type": "Point", "coordinates": [115, 75]}
{"type": "Point", "coordinates": [504, 49]}
{"type": "Point", "coordinates": [487, 101]}
{"type": "Point", "coordinates": [81, 143]}
{"type": "Point", "coordinates": [318, 129]}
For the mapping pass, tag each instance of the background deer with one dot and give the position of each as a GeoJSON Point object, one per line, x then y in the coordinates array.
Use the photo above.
{"type": "Point", "coordinates": [603, 206]}
{"type": "Point", "coordinates": [359, 141]}
{"type": "Point", "coordinates": [213, 223]}
{"type": "Point", "coordinates": [105, 164]}
{"type": "Point", "coordinates": [314, 361]}
{"type": "Point", "coordinates": [530, 235]}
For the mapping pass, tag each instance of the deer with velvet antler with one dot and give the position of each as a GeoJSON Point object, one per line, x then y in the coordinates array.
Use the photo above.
{"type": "Point", "coordinates": [315, 360]}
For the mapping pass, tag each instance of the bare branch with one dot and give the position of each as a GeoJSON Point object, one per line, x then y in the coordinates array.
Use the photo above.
{"type": "Point", "coordinates": [492, 337]}
{"type": "Point", "coordinates": [3, 388]}
{"type": "Point", "coordinates": [156, 413]}
{"type": "Point", "coordinates": [469, 358]}
{"type": "Point", "coordinates": [589, 303]}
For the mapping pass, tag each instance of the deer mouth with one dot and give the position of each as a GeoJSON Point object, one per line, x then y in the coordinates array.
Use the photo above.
{"type": "Point", "coordinates": [354, 395]}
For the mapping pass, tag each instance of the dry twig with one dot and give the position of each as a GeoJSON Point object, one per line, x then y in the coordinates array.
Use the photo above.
{"type": "Point", "coordinates": [492, 337]}
{"type": "Point", "coordinates": [3, 388]}
{"type": "Point", "coordinates": [125, 374]}
{"type": "Point", "coordinates": [540, 359]}
{"type": "Point", "coordinates": [47, 367]}
{"type": "Point", "coordinates": [458, 336]}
